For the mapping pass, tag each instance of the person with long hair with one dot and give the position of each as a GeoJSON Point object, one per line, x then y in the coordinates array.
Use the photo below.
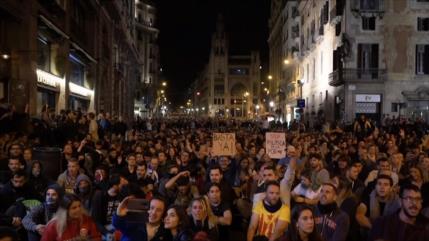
{"type": "Point", "coordinates": [177, 222]}
{"type": "Point", "coordinates": [71, 222]}
{"type": "Point", "coordinates": [302, 226]}
{"type": "Point", "coordinates": [203, 219]}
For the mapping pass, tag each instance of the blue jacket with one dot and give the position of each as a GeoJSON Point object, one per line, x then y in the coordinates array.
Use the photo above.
{"type": "Point", "coordinates": [136, 231]}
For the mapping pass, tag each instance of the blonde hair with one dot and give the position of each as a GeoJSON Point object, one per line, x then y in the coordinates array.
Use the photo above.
{"type": "Point", "coordinates": [207, 209]}
{"type": "Point", "coordinates": [61, 217]}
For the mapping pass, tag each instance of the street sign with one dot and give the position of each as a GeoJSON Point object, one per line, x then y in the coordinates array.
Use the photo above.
{"type": "Point", "coordinates": [300, 103]}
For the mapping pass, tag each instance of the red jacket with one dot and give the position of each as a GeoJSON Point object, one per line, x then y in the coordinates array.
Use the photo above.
{"type": "Point", "coordinates": [72, 230]}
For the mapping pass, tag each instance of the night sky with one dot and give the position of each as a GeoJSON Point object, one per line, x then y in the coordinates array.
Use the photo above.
{"type": "Point", "coordinates": [186, 28]}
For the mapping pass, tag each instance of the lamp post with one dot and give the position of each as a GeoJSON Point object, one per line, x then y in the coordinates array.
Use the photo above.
{"type": "Point", "coordinates": [271, 105]}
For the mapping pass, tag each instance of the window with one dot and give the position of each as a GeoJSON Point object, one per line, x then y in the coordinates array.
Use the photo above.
{"type": "Point", "coordinates": [77, 70]}
{"type": "Point", "coordinates": [367, 61]}
{"type": "Point", "coordinates": [43, 54]}
{"type": "Point", "coordinates": [367, 56]}
{"type": "Point", "coordinates": [422, 59]}
{"type": "Point", "coordinates": [368, 23]}
{"type": "Point", "coordinates": [78, 15]}
{"type": "Point", "coordinates": [423, 24]}
{"type": "Point", "coordinates": [369, 4]}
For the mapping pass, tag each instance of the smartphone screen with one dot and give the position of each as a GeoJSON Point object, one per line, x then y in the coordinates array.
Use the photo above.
{"type": "Point", "coordinates": [138, 205]}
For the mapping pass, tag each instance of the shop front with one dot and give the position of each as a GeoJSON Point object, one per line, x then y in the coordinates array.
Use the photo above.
{"type": "Point", "coordinates": [48, 90]}
{"type": "Point", "coordinates": [368, 105]}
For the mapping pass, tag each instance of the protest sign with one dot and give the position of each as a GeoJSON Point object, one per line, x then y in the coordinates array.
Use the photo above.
{"type": "Point", "coordinates": [275, 144]}
{"type": "Point", "coordinates": [223, 144]}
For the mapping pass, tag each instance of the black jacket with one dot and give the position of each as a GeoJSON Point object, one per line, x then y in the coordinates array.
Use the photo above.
{"type": "Point", "coordinates": [391, 228]}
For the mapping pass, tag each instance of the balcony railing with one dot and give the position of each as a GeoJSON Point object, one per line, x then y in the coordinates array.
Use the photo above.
{"type": "Point", "coordinates": [339, 77]}
{"type": "Point", "coordinates": [368, 7]}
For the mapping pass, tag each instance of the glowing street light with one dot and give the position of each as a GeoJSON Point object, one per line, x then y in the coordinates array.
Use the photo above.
{"type": "Point", "coordinates": [286, 61]}
{"type": "Point", "coordinates": [164, 83]}
{"type": "Point", "coordinates": [162, 91]}
{"type": "Point", "coordinates": [5, 56]}
{"type": "Point", "coordinates": [257, 107]}
{"type": "Point", "coordinates": [198, 93]}
{"type": "Point", "coordinates": [270, 77]}
{"type": "Point", "coordinates": [271, 104]}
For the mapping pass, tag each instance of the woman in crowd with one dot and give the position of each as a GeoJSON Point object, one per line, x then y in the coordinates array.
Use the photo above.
{"type": "Point", "coordinates": [302, 227]}
{"type": "Point", "coordinates": [177, 222]}
{"type": "Point", "coordinates": [71, 222]}
{"type": "Point", "coordinates": [202, 218]}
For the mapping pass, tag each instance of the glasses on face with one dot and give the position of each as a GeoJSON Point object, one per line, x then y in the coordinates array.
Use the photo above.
{"type": "Point", "coordinates": [412, 199]}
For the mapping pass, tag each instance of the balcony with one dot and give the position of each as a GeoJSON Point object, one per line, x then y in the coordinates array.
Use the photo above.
{"type": "Point", "coordinates": [340, 77]}
{"type": "Point", "coordinates": [368, 8]}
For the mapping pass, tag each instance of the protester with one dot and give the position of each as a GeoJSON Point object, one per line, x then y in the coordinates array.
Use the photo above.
{"type": "Point", "coordinates": [71, 222]}
{"type": "Point", "coordinates": [173, 160]}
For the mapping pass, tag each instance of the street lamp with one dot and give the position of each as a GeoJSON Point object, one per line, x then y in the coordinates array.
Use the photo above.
{"type": "Point", "coordinates": [286, 61]}
{"type": "Point", "coordinates": [270, 77]}
{"type": "Point", "coordinates": [164, 83]}
{"type": "Point", "coordinates": [271, 105]}
{"type": "Point", "coordinates": [5, 56]}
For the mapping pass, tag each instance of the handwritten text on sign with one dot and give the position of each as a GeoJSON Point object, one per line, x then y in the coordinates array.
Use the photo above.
{"type": "Point", "coordinates": [223, 144]}
{"type": "Point", "coordinates": [276, 144]}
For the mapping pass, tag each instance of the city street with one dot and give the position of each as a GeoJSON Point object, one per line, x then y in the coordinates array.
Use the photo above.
{"type": "Point", "coordinates": [274, 120]}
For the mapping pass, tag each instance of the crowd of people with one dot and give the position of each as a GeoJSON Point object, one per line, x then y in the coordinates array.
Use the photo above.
{"type": "Point", "coordinates": [158, 180]}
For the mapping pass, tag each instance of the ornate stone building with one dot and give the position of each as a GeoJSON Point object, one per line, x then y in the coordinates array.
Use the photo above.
{"type": "Point", "coordinates": [229, 86]}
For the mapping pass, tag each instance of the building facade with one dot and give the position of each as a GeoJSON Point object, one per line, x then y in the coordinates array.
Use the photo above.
{"type": "Point", "coordinates": [274, 83]}
{"type": "Point", "coordinates": [229, 85]}
{"type": "Point", "coordinates": [77, 55]}
{"type": "Point", "coordinates": [355, 58]}
{"type": "Point", "coordinates": [147, 100]}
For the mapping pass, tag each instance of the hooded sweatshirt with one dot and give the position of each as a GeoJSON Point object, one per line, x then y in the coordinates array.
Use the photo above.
{"type": "Point", "coordinates": [331, 222]}
{"type": "Point", "coordinates": [85, 196]}
{"type": "Point", "coordinates": [43, 213]}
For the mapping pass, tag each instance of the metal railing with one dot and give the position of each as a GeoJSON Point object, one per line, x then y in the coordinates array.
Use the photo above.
{"type": "Point", "coordinates": [371, 75]}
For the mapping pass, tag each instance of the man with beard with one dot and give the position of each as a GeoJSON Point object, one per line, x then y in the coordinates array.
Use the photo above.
{"type": "Point", "coordinates": [270, 217]}
{"type": "Point", "coordinates": [407, 224]}
{"type": "Point", "coordinates": [35, 221]}
{"type": "Point", "coordinates": [331, 222]}
{"type": "Point", "coordinates": [216, 176]}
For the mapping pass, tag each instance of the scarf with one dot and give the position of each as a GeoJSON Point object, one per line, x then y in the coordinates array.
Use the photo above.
{"type": "Point", "coordinates": [390, 207]}
{"type": "Point", "coordinates": [272, 208]}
